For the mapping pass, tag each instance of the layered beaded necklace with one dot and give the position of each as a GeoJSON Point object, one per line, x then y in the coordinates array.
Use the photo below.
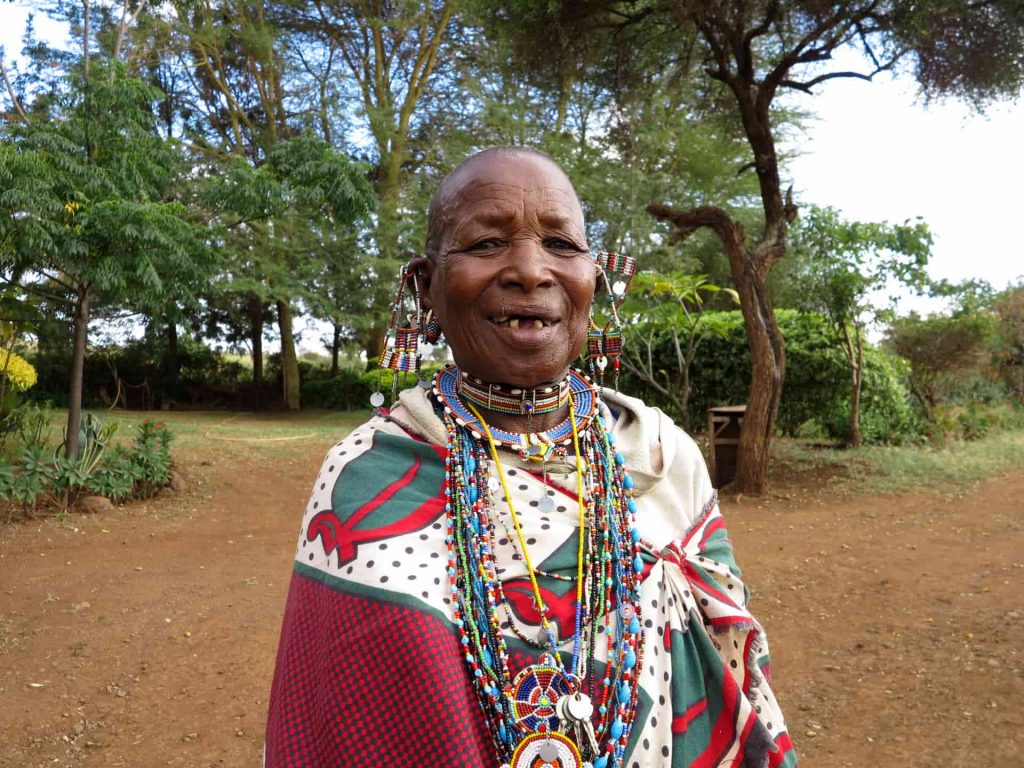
{"type": "Point", "coordinates": [558, 712]}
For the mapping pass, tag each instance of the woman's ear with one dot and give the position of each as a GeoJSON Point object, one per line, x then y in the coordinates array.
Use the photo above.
{"type": "Point", "coordinates": [421, 269]}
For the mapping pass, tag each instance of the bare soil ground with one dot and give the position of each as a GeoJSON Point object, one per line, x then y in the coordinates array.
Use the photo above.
{"type": "Point", "coordinates": [146, 636]}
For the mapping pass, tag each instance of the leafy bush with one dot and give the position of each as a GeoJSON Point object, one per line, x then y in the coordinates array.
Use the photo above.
{"type": "Point", "coordinates": [350, 389]}
{"type": "Point", "coordinates": [816, 396]}
{"type": "Point", "coordinates": [345, 391]}
{"type": "Point", "coordinates": [151, 458]}
{"type": "Point", "coordinates": [119, 472]}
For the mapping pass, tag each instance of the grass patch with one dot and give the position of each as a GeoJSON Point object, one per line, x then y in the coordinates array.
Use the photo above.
{"type": "Point", "coordinates": [892, 469]}
{"type": "Point", "coordinates": [234, 433]}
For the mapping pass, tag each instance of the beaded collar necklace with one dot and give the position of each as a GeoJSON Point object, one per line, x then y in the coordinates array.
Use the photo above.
{"type": "Point", "coordinates": [449, 389]}
{"type": "Point", "coordinates": [514, 400]}
{"type": "Point", "coordinates": [553, 712]}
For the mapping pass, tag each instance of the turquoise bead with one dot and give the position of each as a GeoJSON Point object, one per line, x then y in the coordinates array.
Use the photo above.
{"type": "Point", "coordinates": [627, 482]}
{"type": "Point", "coordinates": [631, 505]}
{"type": "Point", "coordinates": [474, 494]}
{"type": "Point", "coordinates": [630, 661]}
{"type": "Point", "coordinates": [488, 659]}
{"type": "Point", "coordinates": [624, 693]}
{"type": "Point", "coordinates": [634, 534]}
{"type": "Point", "coordinates": [617, 726]}
{"type": "Point", "coordinates": [634, 625]}
{"type": "Point", "coordinates": [601, 762]}
{"type": "Point", "coordinates": [619, 458]}
{"type": "Point", "coordinates": [638, 564]}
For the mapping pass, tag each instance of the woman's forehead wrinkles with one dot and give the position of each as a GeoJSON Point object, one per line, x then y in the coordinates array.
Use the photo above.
{"type": "Point", "coordinates": [494, 203]}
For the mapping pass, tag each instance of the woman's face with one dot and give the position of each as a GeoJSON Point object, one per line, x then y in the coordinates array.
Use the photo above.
{"type": "Point", "coordinates": [513, 282]}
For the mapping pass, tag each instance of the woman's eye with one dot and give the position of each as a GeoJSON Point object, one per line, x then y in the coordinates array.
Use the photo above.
{"type": "Point", "coordinates": [487, 244]}
{"type": "Point", "coordinates": [560, 244]}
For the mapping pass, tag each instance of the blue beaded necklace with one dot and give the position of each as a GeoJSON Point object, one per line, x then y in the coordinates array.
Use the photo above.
{"type": "Point", "coordinates": [545, 713]}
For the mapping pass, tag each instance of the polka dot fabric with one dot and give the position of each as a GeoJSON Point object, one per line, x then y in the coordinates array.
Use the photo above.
{"type": "Point", "coordinates": [369, 671]}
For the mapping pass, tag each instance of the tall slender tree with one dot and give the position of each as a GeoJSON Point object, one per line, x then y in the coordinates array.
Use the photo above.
{"type": "Point", "coordinates": [85, 220]}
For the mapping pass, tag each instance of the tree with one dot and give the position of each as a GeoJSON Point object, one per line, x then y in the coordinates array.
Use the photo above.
{"type": "Point", "coordinates": [86, 220]}
{"type": "Point", "coordinates": [757, 50]}
{"type": "Point", "coordinates": [297, 202]}
{"type": "Point", "coordinates": [844, 267]}
{"type": "Point", "coordinates": [668, 305]}
{"type": "Point", "coordinates": [395, 55]}
{"type": "Point", "coordinates": [1009, 348]}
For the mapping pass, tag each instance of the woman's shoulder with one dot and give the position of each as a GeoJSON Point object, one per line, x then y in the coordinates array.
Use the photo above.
{"type": "Point", "coordinates": [643, 426]}
{"type": "Point", "coordinates": [663, 459]}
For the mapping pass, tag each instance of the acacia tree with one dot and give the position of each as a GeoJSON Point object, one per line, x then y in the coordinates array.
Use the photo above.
{"type": "Point", "coordinates": [236, 106]}
{"type": "Point", "coordinates": [398, 61]}
{"type": "Point", "coordinates": [86, 218]}
{"type": "Point", "coordinates": [758, 50]}
{"type": "Point", "coordinates": [844, 267]}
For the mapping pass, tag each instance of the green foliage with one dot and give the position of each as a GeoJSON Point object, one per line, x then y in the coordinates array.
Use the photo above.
{"type": "Point", "coordinates": [119, 472]}
{"type": "Point", "coordinates": [940, 350]}
{"type": "Point", "coordinates": [816, 395]}
{"type": "Point", "coordinates": [344, 392]}
{"type": "Point", "coordinates": [151, 459]}
{"type": "Point", "coordinates": [1008, 346]}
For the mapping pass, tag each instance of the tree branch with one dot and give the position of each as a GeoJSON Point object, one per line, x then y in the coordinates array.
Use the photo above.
{"type": "Point", "coordinates": [806, 87]}
{"type": "Point", "coordinates": [688, 222]}
{"type": "Point", "coordinates": [10, 88]}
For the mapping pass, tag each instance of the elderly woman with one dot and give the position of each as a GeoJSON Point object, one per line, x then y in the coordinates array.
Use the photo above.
{"type": "Point", "coordinates": [512, 566]}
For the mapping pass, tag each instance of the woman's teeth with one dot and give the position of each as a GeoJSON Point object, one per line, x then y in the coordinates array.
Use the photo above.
{"type": "Point", "coordinates": [513, 322]}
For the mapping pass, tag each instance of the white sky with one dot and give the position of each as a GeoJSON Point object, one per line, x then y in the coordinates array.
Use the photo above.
{"type": "Point", "coordinates": [875, 153]}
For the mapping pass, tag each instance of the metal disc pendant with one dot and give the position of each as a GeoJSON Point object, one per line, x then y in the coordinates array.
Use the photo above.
{"type": "Point", "coordinates": [546, 504]}
{"type": "Point", "coordinates": [552, 750]}
{"type": "Point", "coordinates": [548, 752]}
{"type": "Point", "coordinates": [377, 399]}
{"type": "Point", "coordinates": [619, 287]}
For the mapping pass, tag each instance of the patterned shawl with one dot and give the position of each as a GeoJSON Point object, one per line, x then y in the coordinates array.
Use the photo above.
{"type": "Point", "coordinates": [369, 669]}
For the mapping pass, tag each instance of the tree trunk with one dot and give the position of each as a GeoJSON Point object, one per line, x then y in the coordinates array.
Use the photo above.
{"type": "Point", "coordinates": [767, 354]}
{"type": "Point", "coordinates": [256, 340]}
{"type": "Point", "coordinates": [289, 361]}
{"type": "Point", "coordinates": [335, 349]}
{"type": "Point", "coordinates": [373, 346]}
{"type": "Point", "coordinates": [172, 364]}
{"type": "Point", "coordinates": [71, 445]}
{"type": "Point", "coordinates": [768, 371]}
{"type": "Point", "coordinates": [855, 350]}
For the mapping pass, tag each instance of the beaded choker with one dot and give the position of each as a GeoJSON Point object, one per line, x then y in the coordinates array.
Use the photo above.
{"type": "Point", "coordinates": [449, 390]}
{"type": "Point", "coordinates": [514, 400]}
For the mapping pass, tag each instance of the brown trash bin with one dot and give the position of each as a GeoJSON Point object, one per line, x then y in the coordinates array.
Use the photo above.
{"type": "Point", "coordinates": [724, 425]}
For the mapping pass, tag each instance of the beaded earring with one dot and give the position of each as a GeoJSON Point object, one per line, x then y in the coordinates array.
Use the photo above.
{"type": "Point", "coordinates": [431, 328]}
{"type": "Point", "coordinates": [604, 343]}
{"type": "Point", "coordinates": [401, 341]}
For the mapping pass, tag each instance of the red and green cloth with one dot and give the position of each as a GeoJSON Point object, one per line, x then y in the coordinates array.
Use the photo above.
{"type": "Point", "coordinates": [369, 669]}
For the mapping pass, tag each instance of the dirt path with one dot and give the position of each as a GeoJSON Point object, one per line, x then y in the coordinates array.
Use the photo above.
{"type": "Point", "coordinates": [146, 637]}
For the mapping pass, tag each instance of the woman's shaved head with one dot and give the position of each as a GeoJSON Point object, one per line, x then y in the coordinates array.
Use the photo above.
{"type": "Point", "coordinates": [439, 213]}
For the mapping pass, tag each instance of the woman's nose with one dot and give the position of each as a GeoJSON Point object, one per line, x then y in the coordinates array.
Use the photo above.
{"type": "Point", "coordinates": [527, 265]}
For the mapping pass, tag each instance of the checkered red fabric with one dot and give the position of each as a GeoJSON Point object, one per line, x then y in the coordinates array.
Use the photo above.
{"type": "Point", "coordinates": [361, 683]}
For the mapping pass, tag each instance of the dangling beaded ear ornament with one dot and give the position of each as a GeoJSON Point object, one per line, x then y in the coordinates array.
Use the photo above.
{"type": "Point", "coordinates": [400, 352]}
{"type": "Point", "coordinates": [431, 328]}
{"type": "Point", "coordinates": [604, 344]}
